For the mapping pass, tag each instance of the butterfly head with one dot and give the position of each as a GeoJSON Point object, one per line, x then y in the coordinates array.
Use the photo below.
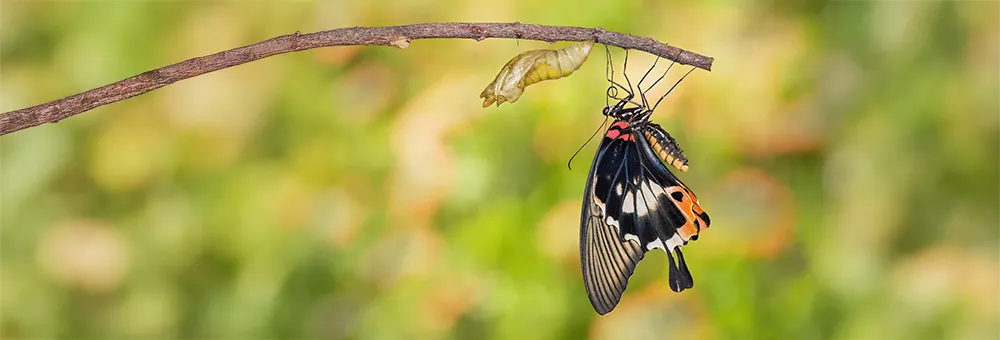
{"type": "Point", "coordinates": [631, 114]}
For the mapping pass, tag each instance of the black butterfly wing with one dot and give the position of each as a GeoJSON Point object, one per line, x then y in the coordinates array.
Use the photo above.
{"type": "Point", "coordinates": [632, 204]}
{"type": "Point", "coordinates": [607, 259]}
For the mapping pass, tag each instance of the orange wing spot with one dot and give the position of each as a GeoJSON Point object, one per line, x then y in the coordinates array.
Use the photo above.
{"type": "Point", "coordinates": [696, 208]}
{"type": "Point", "coordinates": [698, 213]}
{"type": "Point", "coordinates": [687, 207]}
{"type": "Point", "coordinates": [687, 230]}
{"type": "Point", "coordinates": [690, 193]}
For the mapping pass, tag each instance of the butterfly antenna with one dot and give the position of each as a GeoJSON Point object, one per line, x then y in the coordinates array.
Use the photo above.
{"type": "Point", "coordinates": [672, 88]}
{"type": "Point", "coordinates": [599, 128]}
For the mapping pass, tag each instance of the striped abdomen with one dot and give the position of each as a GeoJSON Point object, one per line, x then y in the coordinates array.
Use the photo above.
{"type": "Point", "coordinates": [665, 147]}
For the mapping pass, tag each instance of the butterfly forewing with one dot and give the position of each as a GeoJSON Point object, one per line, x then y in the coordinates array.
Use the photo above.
{"type": "Point", "coordinates": [607, 259]}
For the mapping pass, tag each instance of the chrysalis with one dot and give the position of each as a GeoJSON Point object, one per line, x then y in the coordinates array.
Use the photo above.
{"type": "Point", "coordinates": [531, 67]}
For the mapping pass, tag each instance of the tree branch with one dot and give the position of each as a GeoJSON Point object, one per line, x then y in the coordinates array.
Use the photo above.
{"type": "Point", "coordinates": [398, 36]}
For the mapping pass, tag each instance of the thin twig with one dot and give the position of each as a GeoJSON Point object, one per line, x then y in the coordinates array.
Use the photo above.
{"type": "Point", "coordinates": [398, 36]}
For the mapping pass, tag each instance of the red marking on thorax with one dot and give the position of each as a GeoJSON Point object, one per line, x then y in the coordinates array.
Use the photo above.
{"type": "Point", "coordinates": [615, 131]}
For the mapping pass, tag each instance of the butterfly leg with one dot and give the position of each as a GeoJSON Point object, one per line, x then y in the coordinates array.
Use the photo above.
{"type": "Point", "coordinates": [613, 90]}
{"type": "Point", "coordinates": [672, 88]}
{"type": "Point", "coordinates": [642, 94]}
{"type": "Point", "coordinates": [672, 62]}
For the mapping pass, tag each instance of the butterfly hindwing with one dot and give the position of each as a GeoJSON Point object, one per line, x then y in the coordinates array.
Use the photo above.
{"type": "Point", "coordinates": [687, 217]}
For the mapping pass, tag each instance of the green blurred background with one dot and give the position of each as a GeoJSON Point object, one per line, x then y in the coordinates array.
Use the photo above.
{"type": "Point", "coordinates": [846, 151]}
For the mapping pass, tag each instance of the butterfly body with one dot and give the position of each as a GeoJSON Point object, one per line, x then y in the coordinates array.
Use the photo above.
{"type": "Point", "coordinates": [633, 204]}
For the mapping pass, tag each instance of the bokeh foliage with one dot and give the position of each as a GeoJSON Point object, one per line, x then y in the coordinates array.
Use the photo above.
{"type": "Point", "coordinates": [846, 151]}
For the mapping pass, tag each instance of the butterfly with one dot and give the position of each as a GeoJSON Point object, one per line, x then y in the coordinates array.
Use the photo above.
{"type": "Point", "coordinates": [632, 203]}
